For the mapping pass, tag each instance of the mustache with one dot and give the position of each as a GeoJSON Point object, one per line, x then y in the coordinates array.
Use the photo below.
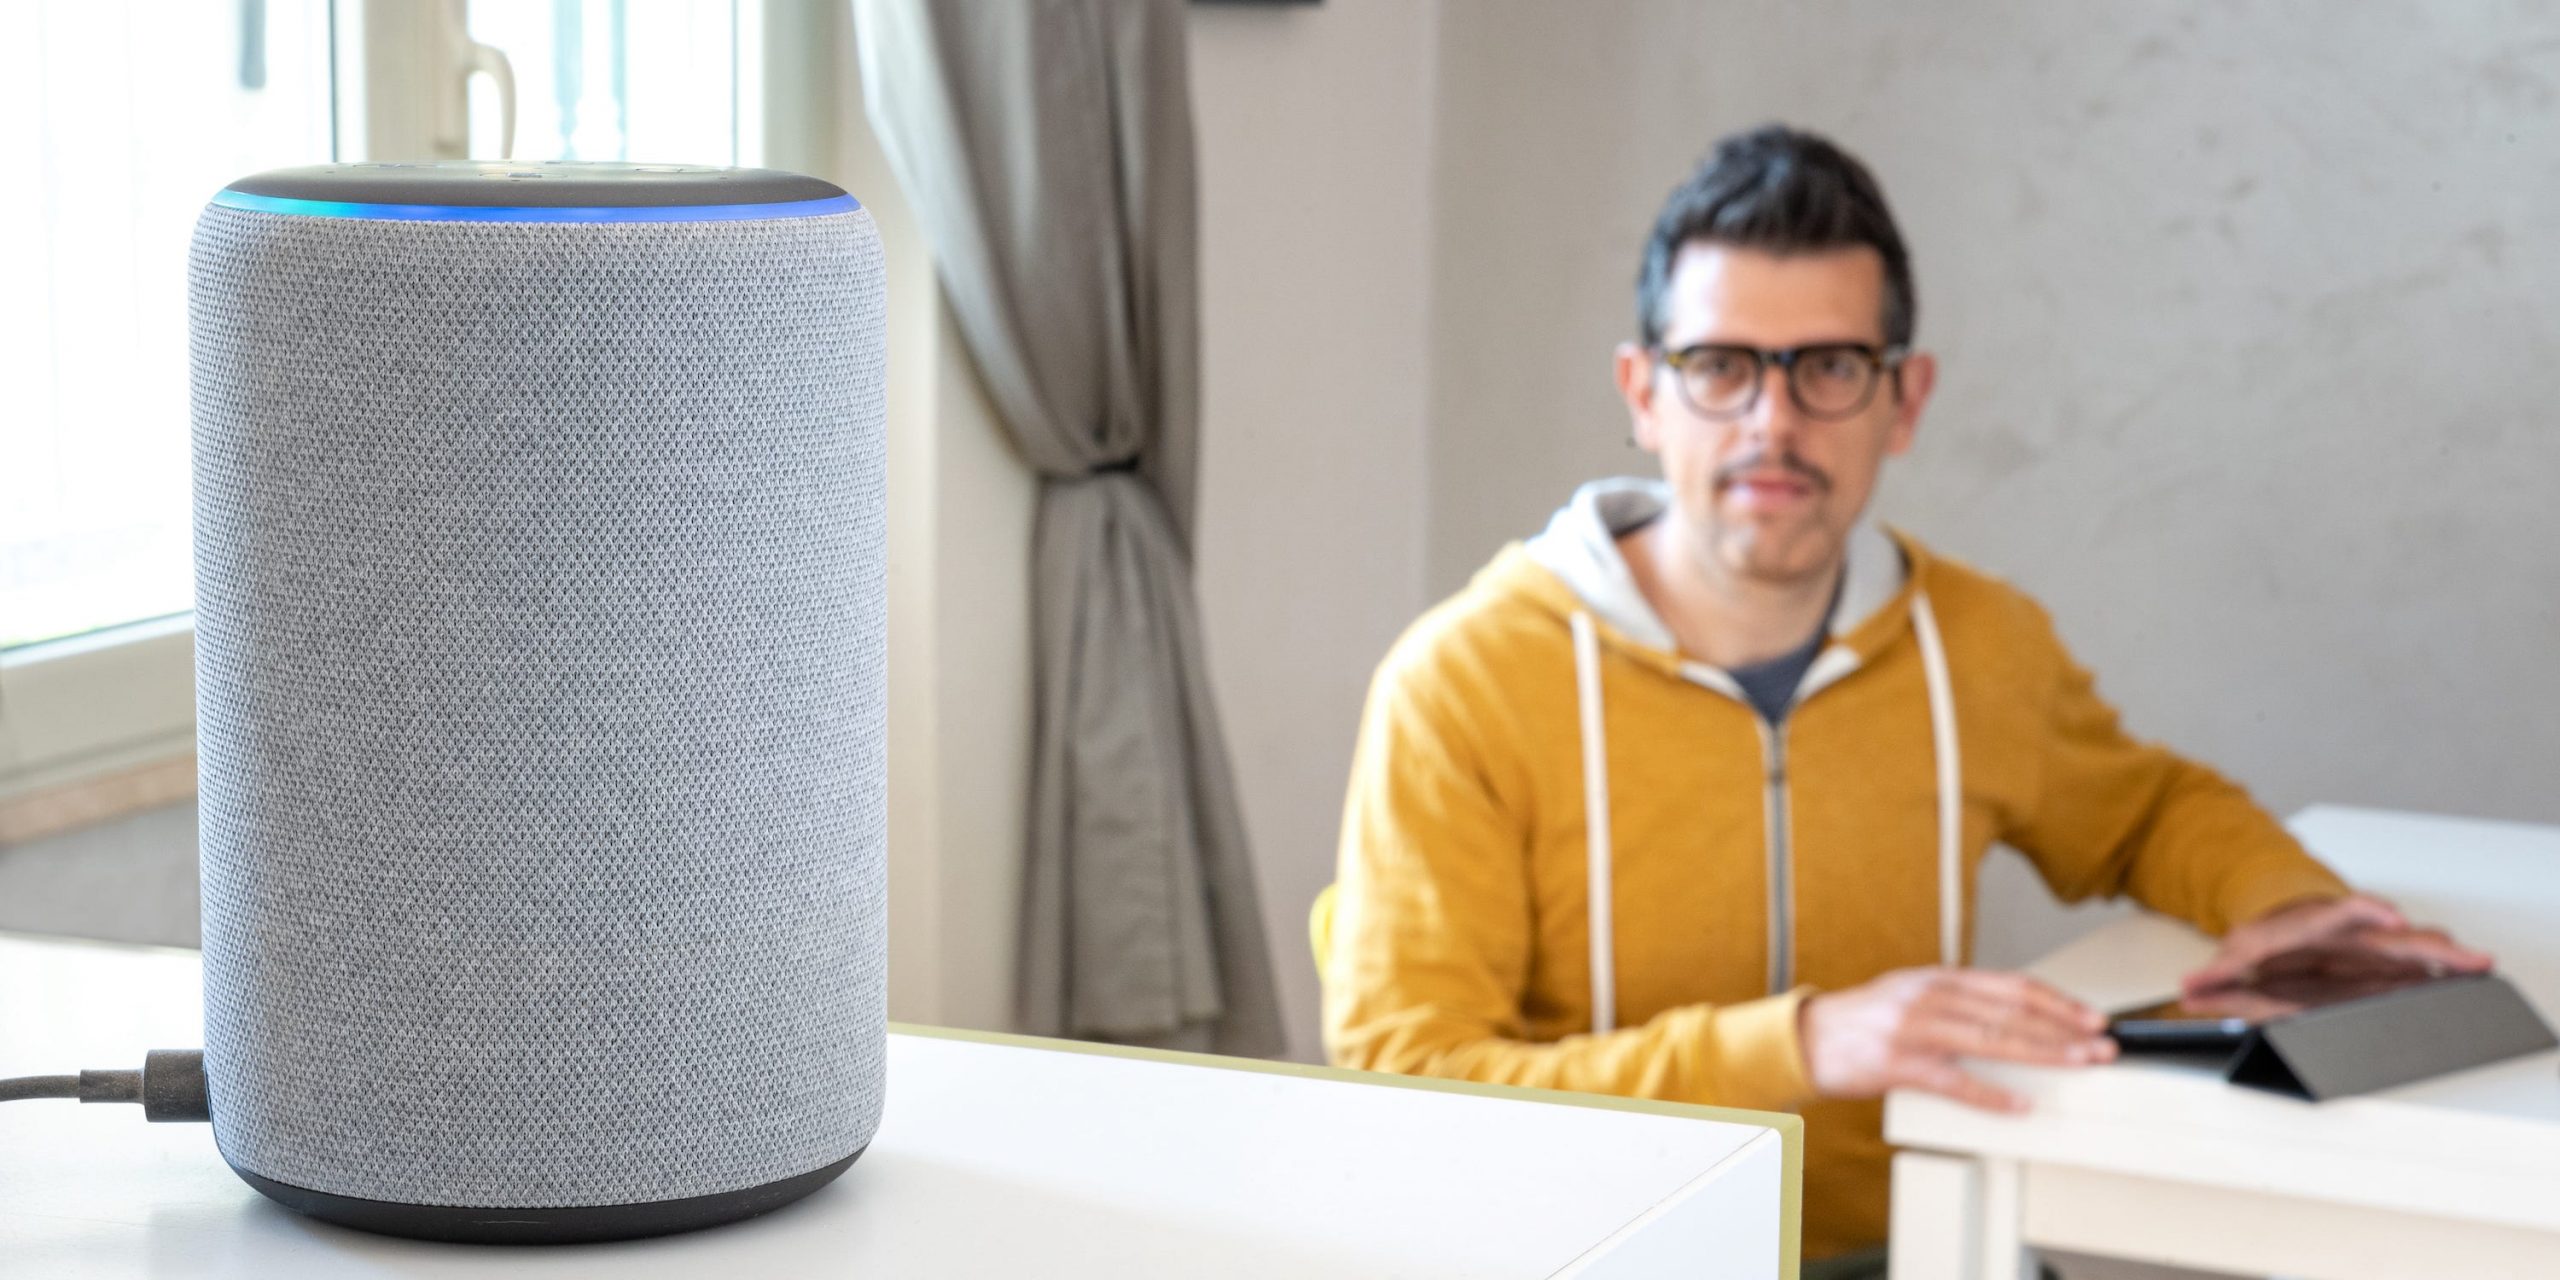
{"type": "Point", "coordinates": [1787, 462]}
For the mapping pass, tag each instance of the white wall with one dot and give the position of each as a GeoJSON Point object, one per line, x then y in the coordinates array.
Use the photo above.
{"type": "Point", "coordinates": [2247, 314]}
{"type": "Point", "coordinates": [1314, 140]}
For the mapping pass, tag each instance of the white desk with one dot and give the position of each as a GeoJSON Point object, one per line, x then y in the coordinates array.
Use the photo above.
{"type": "Point", "coordinates": [2456, 1178]}
{"type": "Point", "coordinates": [999, 1156]}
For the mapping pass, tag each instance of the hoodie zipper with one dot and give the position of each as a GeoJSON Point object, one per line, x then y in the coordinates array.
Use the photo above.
{"type": "Point", "coordinates": [1782, 942]}
{"type": "Point", "coordinates": [1780, 835]}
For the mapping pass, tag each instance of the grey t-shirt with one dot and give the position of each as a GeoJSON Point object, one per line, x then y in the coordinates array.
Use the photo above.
{"type": "Point", "coordinates": [1771, 685]}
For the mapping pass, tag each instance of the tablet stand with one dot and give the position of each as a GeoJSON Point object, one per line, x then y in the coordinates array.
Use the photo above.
{"type": "Point", "coordinates": [2392, 1039]}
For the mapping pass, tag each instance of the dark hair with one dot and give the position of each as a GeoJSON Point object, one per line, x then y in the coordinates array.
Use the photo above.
{"type": "Point", "coordinates": [1783, 191]}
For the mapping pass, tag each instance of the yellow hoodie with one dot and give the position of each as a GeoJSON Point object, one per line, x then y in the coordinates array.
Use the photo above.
{"type": "Point", "coordinates": [1537, 735]}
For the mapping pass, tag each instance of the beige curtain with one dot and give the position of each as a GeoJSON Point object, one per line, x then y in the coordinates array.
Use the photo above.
{"type": "Point", "coordinates": [1046, 146]}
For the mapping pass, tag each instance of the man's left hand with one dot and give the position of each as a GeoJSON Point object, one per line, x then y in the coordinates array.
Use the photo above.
{"type": "Point", "coordinates": [2359, 927]}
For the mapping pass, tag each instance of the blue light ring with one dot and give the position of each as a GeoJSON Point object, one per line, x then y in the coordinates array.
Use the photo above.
{"type": "Point", "coordinates": [294, 207]}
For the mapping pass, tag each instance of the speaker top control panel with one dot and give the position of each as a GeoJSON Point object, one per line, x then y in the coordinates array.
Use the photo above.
{"type": "Point", "coordinates": [466, 191]}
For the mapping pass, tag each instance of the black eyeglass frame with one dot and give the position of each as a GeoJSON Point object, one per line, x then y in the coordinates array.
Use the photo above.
{"type": "Point", "coordinates": [1882, 363]}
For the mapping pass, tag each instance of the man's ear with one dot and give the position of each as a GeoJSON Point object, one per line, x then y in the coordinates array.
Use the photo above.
{"type": "Point", "coordinates": [1633, 366]}
{"type": "Point", "coordinates": [1919, 376]}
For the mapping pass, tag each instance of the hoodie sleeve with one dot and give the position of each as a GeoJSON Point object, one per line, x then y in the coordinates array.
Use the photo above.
{"type": "Point", "coordinates": [2117, 816]}
{"type": "Point", "coordinates": [1428, 962]}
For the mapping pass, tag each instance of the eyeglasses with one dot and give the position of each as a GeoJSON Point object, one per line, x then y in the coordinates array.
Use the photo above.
{"type": "Point", "coordinates": [1828, 380]}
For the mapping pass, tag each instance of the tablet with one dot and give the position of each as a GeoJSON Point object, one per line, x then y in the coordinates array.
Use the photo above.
{"type": "Point", "coordinates": [2220, 1019]}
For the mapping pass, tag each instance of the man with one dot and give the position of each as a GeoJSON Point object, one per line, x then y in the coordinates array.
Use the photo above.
{"type": "Point", "coordinates": [1685, 797]}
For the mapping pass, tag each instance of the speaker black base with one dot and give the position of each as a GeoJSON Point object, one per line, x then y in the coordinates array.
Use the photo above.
{"type": "Point", "coordinates": [574, 1225]}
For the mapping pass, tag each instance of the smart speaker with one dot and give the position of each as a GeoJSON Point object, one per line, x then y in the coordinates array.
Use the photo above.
{"type": "Point", "coordinates": [540, 692]}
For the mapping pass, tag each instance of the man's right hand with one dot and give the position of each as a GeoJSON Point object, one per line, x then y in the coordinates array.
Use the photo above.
{"type": "Point", "coordinates": [1908, 1028]}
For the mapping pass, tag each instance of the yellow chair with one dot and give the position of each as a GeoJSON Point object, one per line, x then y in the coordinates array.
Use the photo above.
{"type": "Point", "coordinates": [1320, 925]}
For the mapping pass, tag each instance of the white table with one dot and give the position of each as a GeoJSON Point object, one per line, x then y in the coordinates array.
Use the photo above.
{"type": "Point", "coordinates": [2450, 1179]}
{"type": "Point", "coordinates": [999, 1156]}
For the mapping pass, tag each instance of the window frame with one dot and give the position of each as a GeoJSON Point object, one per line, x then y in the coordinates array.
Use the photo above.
{"type": "Point", "coordinates": [80, 713]}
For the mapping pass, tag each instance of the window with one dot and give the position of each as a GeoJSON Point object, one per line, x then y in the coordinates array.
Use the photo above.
{"type": "Point", "coordinates": [609, 80]}
{"type": "Point", "coordinates": [129, 114]}
{"type": "Point", "coordinates": [135, 113]}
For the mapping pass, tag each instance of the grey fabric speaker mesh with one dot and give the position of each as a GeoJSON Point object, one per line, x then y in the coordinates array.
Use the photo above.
{"type": "Point", "coordinates": [541, 702]}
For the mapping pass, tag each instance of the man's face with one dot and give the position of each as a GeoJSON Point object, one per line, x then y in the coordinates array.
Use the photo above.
{"type": "Point", "coordinates": [1770, 494]}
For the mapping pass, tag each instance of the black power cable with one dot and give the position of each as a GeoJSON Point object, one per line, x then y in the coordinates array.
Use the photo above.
{"type": "Point", "coordinates": [170, 1086]}
{"type": "Point", "coordinates": [39, 1087]}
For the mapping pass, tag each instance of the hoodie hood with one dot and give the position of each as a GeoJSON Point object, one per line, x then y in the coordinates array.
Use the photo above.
{"type": "Point", "coordinates": [1580, 547]}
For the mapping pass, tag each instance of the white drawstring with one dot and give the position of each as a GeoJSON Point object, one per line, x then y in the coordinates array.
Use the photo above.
{"type": "Point", "coordinates": [1595, 802]}
{"type": "Point", "coordinates": [1595, 810]}
{"type": "Point", "coordinates": [1942, 731]}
